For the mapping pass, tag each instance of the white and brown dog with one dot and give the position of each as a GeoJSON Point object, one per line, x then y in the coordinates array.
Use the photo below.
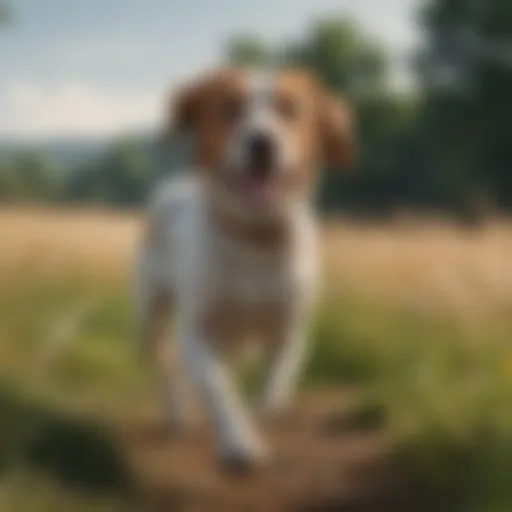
{"type": "Point", "coordinates": [230, 246]}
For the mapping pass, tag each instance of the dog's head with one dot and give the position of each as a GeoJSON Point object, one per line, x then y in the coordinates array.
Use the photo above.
{"type": "Point", "coordinates": [262, 136]}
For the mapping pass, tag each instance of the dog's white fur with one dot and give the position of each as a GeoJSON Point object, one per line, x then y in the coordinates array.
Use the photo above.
{"type": "Point", "coordinates": [222, 287]}
{"type": "Point", "coordinates": [188, 261]}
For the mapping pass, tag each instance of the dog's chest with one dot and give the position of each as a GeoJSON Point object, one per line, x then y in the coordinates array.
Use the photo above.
{"type": "Point", "coordinates": [228, 321]}
{"type": "Point", "coordinates": [248, 276]}
{"type": "Point", "coordinates": [248, 292]}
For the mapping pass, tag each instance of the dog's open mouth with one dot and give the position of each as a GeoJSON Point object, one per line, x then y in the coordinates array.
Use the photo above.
{"type": "Point", "coordinates": [261, 185]}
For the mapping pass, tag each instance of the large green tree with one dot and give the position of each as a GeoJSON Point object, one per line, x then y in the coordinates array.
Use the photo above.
{"type": "Point", "coordinates": [467, 69]}
{"type": "Point", "coordinates": [343, 55]}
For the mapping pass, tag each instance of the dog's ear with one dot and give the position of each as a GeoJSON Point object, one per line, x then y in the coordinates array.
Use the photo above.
{"type": "Point", "coordinates": [184, 108]}
{"type": "Point", "coordinates": [188, 102]}
{"type": "Point", "coordinates": [336, 130]}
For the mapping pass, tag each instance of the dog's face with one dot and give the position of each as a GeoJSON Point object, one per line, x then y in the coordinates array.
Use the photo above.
{"type": "Point", "coordinates": [262, 136]}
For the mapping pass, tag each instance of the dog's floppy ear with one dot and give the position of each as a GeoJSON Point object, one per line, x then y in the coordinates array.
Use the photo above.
{"type": "Point", "coordinates": [188, 102]}
{"type": "Point", "coordinates": [336, 130]}
{"type": "Point", "coordinates": [184, 107]}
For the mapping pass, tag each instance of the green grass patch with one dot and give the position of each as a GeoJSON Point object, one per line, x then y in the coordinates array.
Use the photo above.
{"type": "Point", "coordinates": [447, 398]}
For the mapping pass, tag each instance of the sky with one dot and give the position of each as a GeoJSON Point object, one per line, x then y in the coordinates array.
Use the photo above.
{"type": "Point", "coordinates": [98, 68]}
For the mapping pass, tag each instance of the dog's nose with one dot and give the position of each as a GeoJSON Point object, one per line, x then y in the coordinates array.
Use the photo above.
{"type": "Point", "coordinates": [261, 151]}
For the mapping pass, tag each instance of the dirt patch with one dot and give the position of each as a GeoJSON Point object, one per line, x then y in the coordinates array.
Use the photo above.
{"type": "Point", "coordinates": [315, 466]}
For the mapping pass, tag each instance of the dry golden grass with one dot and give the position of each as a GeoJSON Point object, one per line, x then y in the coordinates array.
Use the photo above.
{"type": "Point", "coordinates": [431, 265]}
{"type": "Point", "coordinates": [52, 241]}
{"type": "Point", "coordinates": [423, 264]}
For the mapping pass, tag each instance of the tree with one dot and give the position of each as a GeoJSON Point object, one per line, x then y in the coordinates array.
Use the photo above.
{"type": "Point", "coordinates": [342, 55]}
{"type": "Point", "coordinates": [7, 180]}
{"type": "Point", "coordinates": [247, 50]}
{"type": "Point", "coordinates": [121, 175]}
{"type": "Point", "coordinates": [29, 176]}
{"type": "Point", "coordinates": [37, 178]}
{"type": "Point", "coordinates": [467, 68]}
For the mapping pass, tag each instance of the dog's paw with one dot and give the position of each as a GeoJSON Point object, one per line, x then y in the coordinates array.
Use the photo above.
{"type": "Point", "coordinates": [238, 465]}
{"type": "Point", "coordinates": [243, 464]}
{"type": "Point", "coordinates": [242, 459]}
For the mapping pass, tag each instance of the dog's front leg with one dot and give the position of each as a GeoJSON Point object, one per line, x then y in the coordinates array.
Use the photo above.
{"type": "Point", "coordinates": [239, 444]}
{"type": "Point", "coordinates": [289, 347]}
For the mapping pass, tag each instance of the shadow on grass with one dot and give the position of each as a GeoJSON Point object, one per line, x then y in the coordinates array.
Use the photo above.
{"type": "Point", "coordinates": [450, 474]}
{"type": "Point", "coordinates": [77, 452]}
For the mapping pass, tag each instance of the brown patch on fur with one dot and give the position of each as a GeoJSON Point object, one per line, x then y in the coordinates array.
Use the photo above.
{"type": "Point", "coordinates": [206, 106]}
{"type": "Point", "coordinates": [229, 325]}
{"type": "Point", "coordinates": [263, 235]}
{"type": "Point", "coordinates": [295, 102]}
{"type": "Point", "coordinates": [336, 130]}
{"type": "Point", "coordinates": [323, 129]}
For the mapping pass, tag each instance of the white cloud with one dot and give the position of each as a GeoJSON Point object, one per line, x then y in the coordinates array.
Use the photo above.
{"type": "Point", "coordinates": [31, 111]}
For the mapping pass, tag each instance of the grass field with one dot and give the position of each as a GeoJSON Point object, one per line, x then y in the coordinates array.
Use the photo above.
{"type": "Point", "coordinates": [416, 317]}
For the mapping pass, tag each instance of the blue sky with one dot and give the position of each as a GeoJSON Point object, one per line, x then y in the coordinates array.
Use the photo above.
{"type": "Point", "coordinates": [99, 67]}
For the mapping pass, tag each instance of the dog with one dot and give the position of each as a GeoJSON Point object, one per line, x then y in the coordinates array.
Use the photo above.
{"type": "Point", "coordinates": [230, 244]}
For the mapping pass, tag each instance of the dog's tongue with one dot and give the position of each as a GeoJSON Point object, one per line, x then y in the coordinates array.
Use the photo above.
{"type": "Point", "coordinates": [260, 191]}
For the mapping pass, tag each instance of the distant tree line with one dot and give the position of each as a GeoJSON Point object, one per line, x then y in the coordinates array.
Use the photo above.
{"type": "Point", "coordinates": [445, 146]}
{"type": "Point", "coordinates": [119, 175]}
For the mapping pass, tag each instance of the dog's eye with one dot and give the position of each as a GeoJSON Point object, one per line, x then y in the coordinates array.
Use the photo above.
{"type": "Point", "coordinates": [231, 109]}
{"type": "Point", "coordinates": [287, 108]}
